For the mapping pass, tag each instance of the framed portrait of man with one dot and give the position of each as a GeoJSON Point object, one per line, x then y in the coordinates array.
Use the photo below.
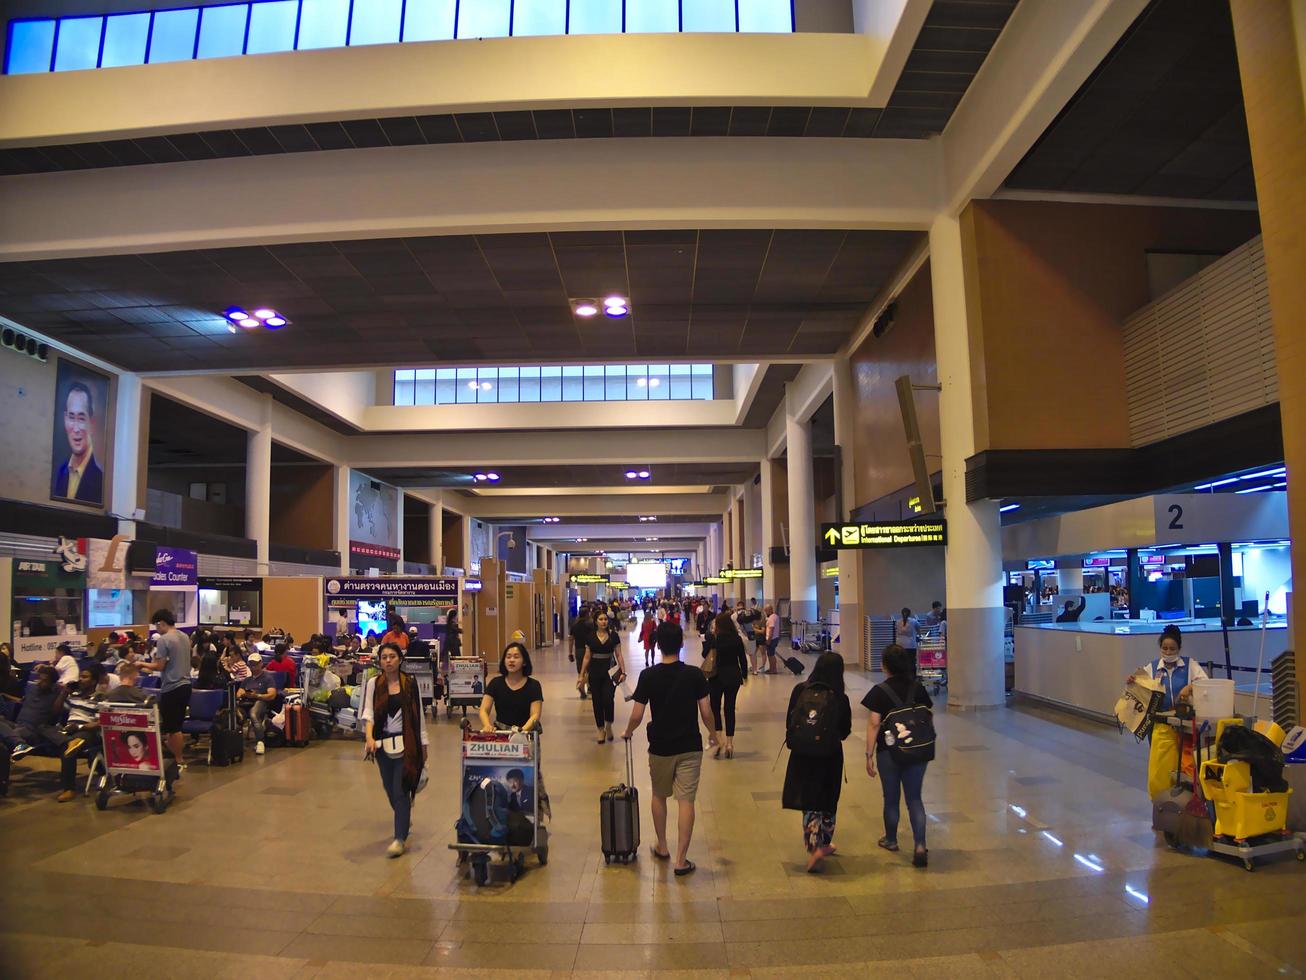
{"type": "Point", "coordinates": [80, 444]}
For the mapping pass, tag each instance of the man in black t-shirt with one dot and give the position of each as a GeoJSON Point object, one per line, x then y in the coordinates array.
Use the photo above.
{"type": "Point", "coordinates": [677, 695]}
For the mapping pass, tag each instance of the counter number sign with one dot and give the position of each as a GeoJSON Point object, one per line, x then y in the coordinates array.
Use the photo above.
{"type": "Point", "coordinates": [885, 534]}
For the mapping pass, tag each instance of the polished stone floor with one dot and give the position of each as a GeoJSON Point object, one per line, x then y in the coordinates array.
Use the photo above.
{"type": "Point", "coordinates": [1041, 864]}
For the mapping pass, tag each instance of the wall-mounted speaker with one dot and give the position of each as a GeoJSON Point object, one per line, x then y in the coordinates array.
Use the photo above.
{"type": "Point", "coordinates": [884, 322]}
{"type": "Point", "coordinates": [21, 343]}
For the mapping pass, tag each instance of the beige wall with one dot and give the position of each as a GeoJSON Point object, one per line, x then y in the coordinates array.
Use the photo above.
{"type": "Point", "coordinates": [27, 390]}
{"type": "Point", "coordinates": [1048, 287]}
{"type": "Point", "coordinates": [294, 604]}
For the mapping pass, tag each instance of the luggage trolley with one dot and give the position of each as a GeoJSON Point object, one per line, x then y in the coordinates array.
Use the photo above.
{"type": "Point", "coordinates": [464, 685]}
{"type": "Point", "coordinates": [133, 756]}
{"type": "Point", "coordinates": [932, 658]}
{"type": "Point", "coordinates": [500, 792]}
{"type": "Point", "coordinates": [811, 636]}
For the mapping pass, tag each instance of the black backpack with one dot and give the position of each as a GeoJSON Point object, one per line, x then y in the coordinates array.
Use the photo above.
{"type": "Point", "coordinates": [908, 730]}
{"type": "Point", "coordinates": [812, 728]}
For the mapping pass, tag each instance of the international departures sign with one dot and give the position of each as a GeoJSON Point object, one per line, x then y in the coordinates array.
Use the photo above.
{"type": "Point", "coordinates": [885, 534]}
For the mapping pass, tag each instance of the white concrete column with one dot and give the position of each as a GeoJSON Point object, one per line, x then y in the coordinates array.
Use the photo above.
{"type": "Point", "coordinates": [768, 535]}
{"type": "Point", "coordinates": [851, 605]}
{"type": "Point", "coordinates": [130, 451]}
{"type": "Point", "coordinates": [437, 535]}
{"type": "Point", "coordinates": [258, 484]}
{"type": "Point", "coordinates": [973, 557]}
{"type": "Point", "coordinates": [736, 544]}
{"type": "Point", "coordinates": [341, 508]}
{"type": "Point", "coordinates": [802, 514]}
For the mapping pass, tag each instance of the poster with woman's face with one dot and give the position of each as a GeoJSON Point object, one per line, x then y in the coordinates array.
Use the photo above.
{"type": "Point", "coordinates": [131, 748]}
{"type": "Point", "coordinates": [80, 445]}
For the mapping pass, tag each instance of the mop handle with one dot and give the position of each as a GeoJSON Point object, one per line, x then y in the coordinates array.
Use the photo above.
{"type": "Point", "coordinates": [1260, 658]}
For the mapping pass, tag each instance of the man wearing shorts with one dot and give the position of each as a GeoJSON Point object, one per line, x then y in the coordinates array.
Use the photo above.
{"type": "Point", "coordinates": [172, 661]}
{"type": "Point", "coordinates": [677, 694]}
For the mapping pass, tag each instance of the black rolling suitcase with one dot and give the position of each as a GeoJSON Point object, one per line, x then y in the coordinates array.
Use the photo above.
{"type": "Point", "coordinates": [619, 817]}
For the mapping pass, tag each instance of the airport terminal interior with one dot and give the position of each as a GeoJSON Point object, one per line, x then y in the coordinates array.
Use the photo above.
{"type": "Point", "coordinates": [405, 401]}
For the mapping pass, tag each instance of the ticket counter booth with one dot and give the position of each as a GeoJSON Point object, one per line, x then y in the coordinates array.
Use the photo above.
{"type": "Point", "coordinates": [46, 603]}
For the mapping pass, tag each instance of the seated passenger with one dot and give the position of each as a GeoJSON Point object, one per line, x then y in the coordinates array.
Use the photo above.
{"type": "Point", "coordinates": [127, 691]}
{"type": "Point", "coordinates": [282, 663]}
{"type": "Point", "coordinates": [257, 692]}
{"type": "Point", "coordinates": [42, 705]}
{"type": "Point", "coordinates": [65, 664]}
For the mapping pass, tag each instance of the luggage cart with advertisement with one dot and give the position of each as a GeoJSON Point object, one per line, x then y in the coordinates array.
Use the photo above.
{"type": "Point", "coordinates": [932, 658]}
{"type": "Point", "coordinates": [339, 714]}
{"type": "Point", "coordinates": [420, 670]}
{"type": "Point", "coordinates": [464, 685]}
{"type": "Point", "coordinates": [499, 791]}
{"type": "Point", "coordinates": [133, 758]}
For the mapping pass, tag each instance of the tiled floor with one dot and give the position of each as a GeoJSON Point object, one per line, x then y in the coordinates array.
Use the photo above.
{"type": "Point", "coordinates": [274, 868]}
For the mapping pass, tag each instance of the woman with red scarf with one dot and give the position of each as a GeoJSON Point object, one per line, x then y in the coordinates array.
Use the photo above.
{"type": "Point", "coordinates": [396, 737]}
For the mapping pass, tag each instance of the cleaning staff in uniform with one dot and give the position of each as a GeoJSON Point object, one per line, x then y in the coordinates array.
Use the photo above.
{"type": "Point", "coordinates": [1176, 674]}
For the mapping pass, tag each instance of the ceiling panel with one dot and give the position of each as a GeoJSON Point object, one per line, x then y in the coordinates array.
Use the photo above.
{"type": "Point", "coordinates": [721, 293]}
{"type": "Point", "coordinates": [548, 478]}
{"type": "Point", "coordinates": [1162, 116]}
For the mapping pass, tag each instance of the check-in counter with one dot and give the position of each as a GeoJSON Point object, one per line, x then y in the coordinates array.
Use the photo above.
{"type": "Point", "coordinates": [1082, 666]}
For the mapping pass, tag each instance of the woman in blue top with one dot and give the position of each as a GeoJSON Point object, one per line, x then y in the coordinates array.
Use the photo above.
{"type": "Point", "coordinates": [1175, 674]}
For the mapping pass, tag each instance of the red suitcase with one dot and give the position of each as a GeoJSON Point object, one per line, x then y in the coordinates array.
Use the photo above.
{"type": "Point", "coordinates": [298, 728]}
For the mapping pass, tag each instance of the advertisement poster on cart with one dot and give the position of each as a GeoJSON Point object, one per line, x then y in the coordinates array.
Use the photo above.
{"type": "Point", "coordinates": [129, 742]}
{"type": "Point", "coordinates": [516, 779]}
{"type": "Point", "coordinates": [466, 677]}
{"type": "Point", "coordinates": [496, 746]}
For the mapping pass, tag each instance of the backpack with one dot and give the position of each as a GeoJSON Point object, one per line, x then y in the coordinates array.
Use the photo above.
{"type": "Point", "coordinates": [908, 730]}
{"type": "Point", "coordinates": [812, 728]}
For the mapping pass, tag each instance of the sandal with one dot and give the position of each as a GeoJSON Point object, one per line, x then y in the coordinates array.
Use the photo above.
{"type": "Point", "coordinates": [661, 857]}
{"type": "Point", "coordinates": [688, 869]}
{"type": "Point", "coordinates": [888, 845]}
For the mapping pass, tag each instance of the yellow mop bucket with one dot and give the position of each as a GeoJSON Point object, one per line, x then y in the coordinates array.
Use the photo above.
{"type": "Point", "coordinates": [1241, 814]}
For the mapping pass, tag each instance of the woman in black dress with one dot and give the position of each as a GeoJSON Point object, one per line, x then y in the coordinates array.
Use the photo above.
{"type": "Point", "coordinates": [729, 673]}
{"type": "Point", "coordinates": [812, 783]}
{"type": "Point", "coordinates": [515, 697]}
{"type": "Point", "coordinates": [602, 652]}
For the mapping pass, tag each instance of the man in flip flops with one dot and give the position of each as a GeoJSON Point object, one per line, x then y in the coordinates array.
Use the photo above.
{"type": "Point", "coordinates": [677, 694]}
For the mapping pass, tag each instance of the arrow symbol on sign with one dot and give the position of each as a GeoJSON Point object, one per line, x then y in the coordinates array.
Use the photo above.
{"type": "Point", "coordinates": [832, 536]}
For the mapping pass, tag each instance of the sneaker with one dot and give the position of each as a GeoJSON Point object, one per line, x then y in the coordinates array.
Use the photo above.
{"type": "Point", "coordinates": [72, 747]}
{"type": "Point", "coordinates": [396, 848]}
{"type": "Point", "coordinates": [258, 749]}
{"type": "Point", "coordinates": [20, 750]}
{"type": "Point", "coordinates": [65, 796]}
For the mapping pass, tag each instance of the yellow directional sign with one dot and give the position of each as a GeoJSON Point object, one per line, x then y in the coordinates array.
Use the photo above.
{"type": "Point", "coordinates": [586, 579]}
{"type": "Point", "coordinates": [885, 534]}
{"type": "Point", "coordinates": [715, 580]}
{"type": "Point", "coordinates": [737, 573]}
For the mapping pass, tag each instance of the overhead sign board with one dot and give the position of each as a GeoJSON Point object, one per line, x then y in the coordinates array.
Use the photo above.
{"type": "Point", "coordinates": [588, 579]}
{"type": "Point", "coordinates": [435, 591]}
{"type": "Point", "coordinates": [715, 580]}
{"type": "Point", "coordinates": [831, 572]}
{"type": "Point", "coordinates": [885, 534]}
{"type": "Point", "coordinates": [736, 573]}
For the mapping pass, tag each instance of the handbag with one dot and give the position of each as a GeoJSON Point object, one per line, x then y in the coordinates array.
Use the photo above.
{"type": "Point", "coordinates": [393, 746]}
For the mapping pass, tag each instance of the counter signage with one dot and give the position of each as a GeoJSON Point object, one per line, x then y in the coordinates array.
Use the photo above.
{"type": "Point", "coordinates": [1153, 560]}
{"type": "Point", "coordinates": [886, 534]}
{"type": "Point", "coordinates": [33, 573]}
{"type": "Point", "coordinates": [342, 593]}
{"type": "Point", "coordinates": [1097, 562]}
{"type": "Point", "coordinates": [175, 567]}
{"type": "Point", "coordinates": [1041, 564]}
{"type": "Point", "coordinates": [30, 649]}
{"type": "Point", "coordinates": [472, 585]}
{"type": "Point", "coordinates": [228, 584]}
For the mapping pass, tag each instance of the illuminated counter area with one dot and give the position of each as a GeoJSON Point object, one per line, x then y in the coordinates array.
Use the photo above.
{"type": "Point", "coordinates": [1082, 666]}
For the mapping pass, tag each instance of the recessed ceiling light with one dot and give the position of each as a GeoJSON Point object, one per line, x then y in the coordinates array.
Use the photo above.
{"type": "Point", "coordinates": [249, 321]}
{"type": "Point", "coordinates": [631, 474]}
{"type": "Point", "coordinates": [274, 322]}
{"type": "Point", "coordinates": [262, 316]}
{"type": "Point", "coordinates": [265, 313]}
{"type": "Point", "coordinates": [237, 314]}
{"type": "Point", "coordinates": [612, 301]}
{"type": "Point", "coordinates": [644, 474]}
{"type": "Point", "coordinates": [492, 477]}
{"type": "Point", "coordinates": [616, 311]}
{"type": "Point", "coordinates": [480, 478]}
{"type": "Point", "coordinates": [586, 309]}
